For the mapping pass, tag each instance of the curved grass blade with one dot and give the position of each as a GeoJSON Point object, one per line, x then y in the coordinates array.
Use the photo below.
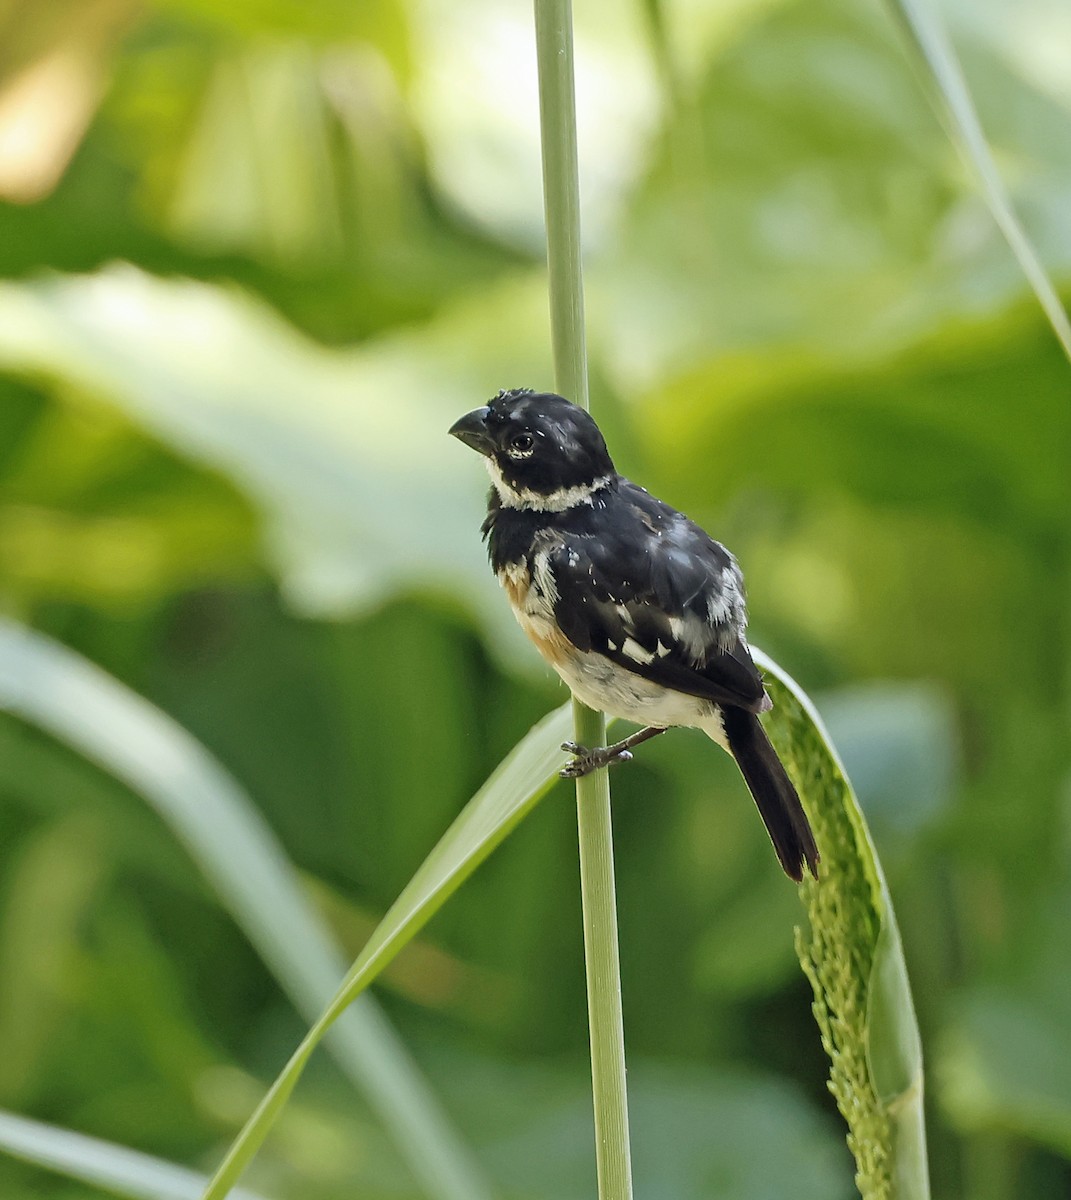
{"type": "Point", "coordinates": [853, 957]}
{"type": "Point", "coordinates": [103, 1164]}
{"type": "Point", "coordinates": [943, 79]}
{"type": "Point", "coordinates": [60, 692]}
{"type": "Point", "coordinates": [507, 797]}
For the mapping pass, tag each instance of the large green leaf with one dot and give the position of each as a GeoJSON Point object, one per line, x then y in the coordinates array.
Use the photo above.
{"type": "Point", "coordinates": [340, 450]}
{"type": "Point", "coordinates": [50, 686]}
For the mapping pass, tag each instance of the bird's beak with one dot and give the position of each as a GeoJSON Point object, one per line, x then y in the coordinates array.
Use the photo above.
{"type": "Point", "coordinates": [472, 430]}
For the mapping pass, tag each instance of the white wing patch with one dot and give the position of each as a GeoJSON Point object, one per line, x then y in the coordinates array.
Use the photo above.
{"type": "Point", "coordinates": [692, 635]}
{"type": "Point", "coordinates": [632, 649]}
{"type": "Point", "coordinates": [719, 608]}
{"type": "Point", "coordinates": [543, 577]}
{"type": "Point", "coordinates": [725, 605]}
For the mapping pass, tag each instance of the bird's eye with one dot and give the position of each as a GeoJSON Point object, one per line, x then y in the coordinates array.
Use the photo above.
{"type": "Point", "coordinates": [521, 446]}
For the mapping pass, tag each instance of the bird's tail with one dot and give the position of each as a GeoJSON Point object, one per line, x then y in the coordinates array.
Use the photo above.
{"type": "Point", "coordinates": [777, 800]}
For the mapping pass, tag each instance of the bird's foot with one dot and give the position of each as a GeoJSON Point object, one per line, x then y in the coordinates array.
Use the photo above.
{"type": "Point", "coordinates": [587, 760]}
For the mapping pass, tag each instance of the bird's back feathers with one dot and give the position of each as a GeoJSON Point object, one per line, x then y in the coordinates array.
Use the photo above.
{"type": "Point", "coordinates": [667, 605]}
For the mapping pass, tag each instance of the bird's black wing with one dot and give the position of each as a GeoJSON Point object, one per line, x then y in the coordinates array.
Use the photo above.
{"type": "Point", "coordinates": [645, 586]}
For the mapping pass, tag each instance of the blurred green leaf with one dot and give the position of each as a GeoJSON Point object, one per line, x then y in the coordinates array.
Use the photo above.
{"type": "Point", "coordinates": [475, 102]}
{"type": "Point", "coordinates": [262, 112]}
{"type": "Point", "coordinates": [382, 22]}
{"type": "Point", "coordinates": [54, 61]}
{"type": "Point", "coordinates": [1005, 1057]}
{"type": "Point", "coordinates": [700, 1136]}
{"type": "Point", "coordinates": [1006, 1065]}
{"type": "Point", "coordinates": [340, 450]}
{"type": "Point", "coordinates": [116, 1169]}
{"type": "Point", "coordinates": [45, 683]}
{"type": "Point", "coordinates": [512, 791]}
{"type": "Point", "coordinates": [696, 1133]}
{"type": "Point", "coordinates": [941, 71]}
{"type": "Point", "coordinates": [801, 196]}
{"type": "Point", "coordinates": [899, 746]}
{"type": "Point", "coordinates": [740, 953]}
{"type": "Point", "coordinates": [92, 510]}
{"type": "Point", "coordinates": [51, 885]}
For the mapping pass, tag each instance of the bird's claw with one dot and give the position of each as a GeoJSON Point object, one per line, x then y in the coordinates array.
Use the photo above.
{"type": "Point", "coordinates": [586, 761]}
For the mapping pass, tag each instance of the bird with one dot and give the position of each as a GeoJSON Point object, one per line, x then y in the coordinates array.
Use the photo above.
{"type": "Point", "coordinates": [639, 610]}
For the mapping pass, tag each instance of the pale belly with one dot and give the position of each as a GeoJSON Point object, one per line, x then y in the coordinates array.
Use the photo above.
{"type": "Point", "coordinates": [603, 685]}
{"type": "Point", "coordinates": [600, 683]}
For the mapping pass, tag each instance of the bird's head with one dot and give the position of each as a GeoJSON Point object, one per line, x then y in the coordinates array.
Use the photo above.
{"type": "Point", "coordinates": [541, 451]}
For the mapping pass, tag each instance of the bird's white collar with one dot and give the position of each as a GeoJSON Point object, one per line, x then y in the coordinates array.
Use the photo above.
{"type": "Point", "coordinates": [559, 501]}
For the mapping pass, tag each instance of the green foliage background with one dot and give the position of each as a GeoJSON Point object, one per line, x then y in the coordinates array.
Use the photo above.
{"type": "Point", "coordinates": [256, 257]}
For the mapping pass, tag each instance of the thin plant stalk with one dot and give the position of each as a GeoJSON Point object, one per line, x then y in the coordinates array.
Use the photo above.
{"type": "Point", "coordinates": [561, 190]}
{"type": "Point", "coordinates": [605, 1022]}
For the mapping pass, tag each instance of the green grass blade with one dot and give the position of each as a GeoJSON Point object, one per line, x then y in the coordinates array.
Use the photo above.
{"type": "Point", "coordinates": [854, 959]}
{"type": "Point", "coordinates": [52, 687]}
{"type": "Point", "coordinates": [943, 78]}
{"type": "Point", "coordinates": [511, 792]}
{"type": "Point", "coordinates": [102, 1164]}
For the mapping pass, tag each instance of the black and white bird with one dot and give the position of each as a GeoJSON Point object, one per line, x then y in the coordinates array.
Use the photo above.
{"type": "Point", "coordinates": [637, 608]}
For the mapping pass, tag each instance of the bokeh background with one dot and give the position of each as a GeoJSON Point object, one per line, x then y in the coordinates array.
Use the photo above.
{"type": "Point", "coordinates": [256, 257]}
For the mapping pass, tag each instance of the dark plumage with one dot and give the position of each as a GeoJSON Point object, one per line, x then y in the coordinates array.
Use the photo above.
{"type": "Point", "coordinates": [638, 609]}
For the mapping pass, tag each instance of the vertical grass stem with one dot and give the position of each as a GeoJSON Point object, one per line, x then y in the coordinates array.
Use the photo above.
{"type": "Point", "coordinates": [561, 189]}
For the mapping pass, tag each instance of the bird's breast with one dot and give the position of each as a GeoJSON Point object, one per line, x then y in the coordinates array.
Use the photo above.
{"type": "Point", "coordinates": [531, 595]}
